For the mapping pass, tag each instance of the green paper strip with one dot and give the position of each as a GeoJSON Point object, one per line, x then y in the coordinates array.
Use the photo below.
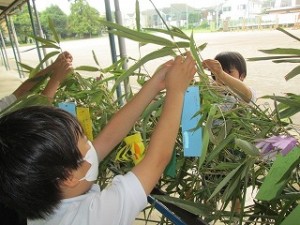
{"type": "Point", "coordinates": [278, 176]}
{"type": "Point", "coordinates": [293, 217]}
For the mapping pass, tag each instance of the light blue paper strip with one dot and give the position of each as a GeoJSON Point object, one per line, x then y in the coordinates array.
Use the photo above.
{"type": "Point", "coordinates": [68, 106]}
{"type": "Point", "coordinates": [192, 139]}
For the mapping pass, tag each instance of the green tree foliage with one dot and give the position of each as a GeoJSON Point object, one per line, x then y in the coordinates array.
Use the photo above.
{"type": "Point", "coordinates": [59, 18]}
{"type": "Point", "coordinates": [84, 20]}
{"type": "Point", "coordinates": [23, 25]}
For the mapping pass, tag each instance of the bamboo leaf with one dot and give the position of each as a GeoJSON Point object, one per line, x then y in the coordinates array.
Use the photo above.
{"type": "Point", "coordinates": [293, 217]}
{"type": "Point", "coordinates": [137, 15]}
{"type": "Point", "coordinates": [289, 112]}
{"type": "Point", "coordinates": [196, 55]}
{"type": "Point", "coordinates": [87, 68]}
{"type": "Point", "coordinates": [95, 58]}
{"type": "Point", "coordinates": [49, 46]}
{"type": "Point", "coordinates": [271, 58]}
{"type": "Point", "coordinates": [220, 147]}
{"type": "Point", "coordinates": [135, 35]}
{"type": "Point", "coordinates": [43, 40]}
{"type": "Point", "coordinates": [288, 33]}
{"type": "Point", "coordinates": [29, 68]}
{"type": "Point", "coordinates": [52, 28]}
{"type": "Point", "coordinates": [294, 72]}
{"type": "Point", "coordinates": [171, 32]}
{"type": "Point", "coordinates": [48, 56]}
{"type": "Point", "coordinates": [246, 147]}
{"type": "Point", "coordinates": [153, 55]}
{"type": "Point", "coordinates": [284, 51]}
{"type": "Point", "coordinates": [278, 175]}
{"type": "Point", "coordinates": [205, 143]}
{"type": "Point", "coordinates": [225, 181]}
{"type": "Point", "coordinates": [194, 208]}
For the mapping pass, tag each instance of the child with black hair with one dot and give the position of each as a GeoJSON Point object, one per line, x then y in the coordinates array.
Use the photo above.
{"type": "Point", "coordinates": [47, 165]}
{"type": "Point", "coordinates": [229, 69]}
{"type": "Point", "coordinates": [59, 69]}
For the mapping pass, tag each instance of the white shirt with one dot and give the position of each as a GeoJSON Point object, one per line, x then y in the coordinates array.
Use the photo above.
{"type": "Point", "coordinates": [7, 101]}
{"type": "Point", "coordinates": [118, 204]}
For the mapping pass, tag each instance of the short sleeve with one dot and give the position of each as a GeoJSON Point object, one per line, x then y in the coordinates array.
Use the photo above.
{"type": "Point", "coordinates": [7, 101]}
{"type": "Point", "coordinates": [122, 201]}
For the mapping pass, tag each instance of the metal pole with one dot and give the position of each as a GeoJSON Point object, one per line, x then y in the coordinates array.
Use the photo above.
{"type": "Point", "coordinates": [113, 47]}
{"type": "Point", "coordinates": [13, 45]}
{"type": "Point", "coordinates": [4, 52]}
{"type": "Point", "coordinates": [34, 31]}
{"type": "Point", "coordinates": [122, 45]}
{"type": "Point", "coordinates": [39, 27]}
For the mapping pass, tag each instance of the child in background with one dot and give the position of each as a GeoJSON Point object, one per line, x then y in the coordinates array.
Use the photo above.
{"type": "Point", "coordinates": [229, 69]}
{"type": "Point", "coordinates": [47, 165]}
{"type": "Point", "coordinates": [59, 69]}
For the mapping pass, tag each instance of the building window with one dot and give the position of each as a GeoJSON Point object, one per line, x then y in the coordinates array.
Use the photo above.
{"type": "Point", "coordinates": [227, 9]}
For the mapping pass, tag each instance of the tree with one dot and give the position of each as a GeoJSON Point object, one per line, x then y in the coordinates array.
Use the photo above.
{"type": "Point", "coordinates": [58, 17]}
{"type": "Point", "coordinates": [23, 25]}
{"type": "Point", "coordinates": [84, 20]}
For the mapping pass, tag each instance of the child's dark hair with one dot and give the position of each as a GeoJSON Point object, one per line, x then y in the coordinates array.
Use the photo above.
{"type": "Point", "coordinates": [38, 149]}
{"type": "Point", "coordinates": [229, 60]}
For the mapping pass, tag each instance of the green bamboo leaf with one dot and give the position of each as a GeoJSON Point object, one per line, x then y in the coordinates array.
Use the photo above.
{"type": "Point", "coordinates": [292, 101]}
{"type": "Point", "coordinates": [192, 207]}
{"type": "Point", "coordinates": [293, 217]}
{"type": "Point", "coordinates": [95, 58]}
{"type": "Point", "coordinates": [143, 38]}
{"type": "Point", "coordinates": [284, 51]}
{"type": "Point", "coordinates": [289, 112]}
{"type": "Point", "coordinates": [287, 61]}
{"type": "Point", "coordinates": [220, 147]}
{"type": "Point", "coordinates": [288, 33]}
{"type": "Point", "coordinates": [226, 166]}
{"type": "Point", "coordinates": [138, 36]}
{"type": "Point", "coordinates": [278, 175]}
{"type": "Point", "coordinates": [195, 54]}
{"type": "Point", "coordinates": [152, 107]}
{"type": "Point", "coordinates": [247, 147]}
{"type": "Point", "coordinates": [171, 32]}
{"type": "Point", "coordinates": [137, 15]}
{"type": "Point", "coordinates": [205, 142]}
{"type": "Point", "coordinates": [153, 55]}
{"type": "Point", "coordinates": [49, 46]}
{"type": "Point", "coordinates": [28, 68]}
{"type": "Point", "coordinates": [47, 57]}
{"type": "Point", "coordinates": [162, 19]}
{"type": "Point", "coordinates": [87, 68]}
{"type": "Point", "coordinates": [209, 123]}
{"type": "Point", "coordinates": [231, 189]}
{"type": "Point", "coordinates": [271, 58]}
{"type": "Point", "coordinates": [52, 28]}
{"type": "Point", "coordinates": [294, 72]}
{"type": "Point", "coordinates": [225, 181]}
{"type": "Point", "coordinates": [43, 40]}
{"type": "Point", "coordinates": [30, 49]}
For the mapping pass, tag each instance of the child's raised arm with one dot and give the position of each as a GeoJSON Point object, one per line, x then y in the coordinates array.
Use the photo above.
{"type": "Point", "coordinates": [162, 141]}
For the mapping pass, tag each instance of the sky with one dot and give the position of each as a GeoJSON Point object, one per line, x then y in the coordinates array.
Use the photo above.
{"type": "Point", "coordinates": [126, 6]}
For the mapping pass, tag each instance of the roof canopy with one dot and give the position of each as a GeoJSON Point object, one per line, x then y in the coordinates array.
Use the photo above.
{"type": "Point", "coordinates": [8, 7]}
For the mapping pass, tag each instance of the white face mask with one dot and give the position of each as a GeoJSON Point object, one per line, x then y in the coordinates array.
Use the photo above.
{"type": "Point", "coordinates": [92, 158]}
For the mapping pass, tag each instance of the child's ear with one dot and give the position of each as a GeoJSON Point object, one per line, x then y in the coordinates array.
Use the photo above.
{"type": "Point", "coordinates": [242, 77]}
{"type": "Point", "coordinates": [71, 181]}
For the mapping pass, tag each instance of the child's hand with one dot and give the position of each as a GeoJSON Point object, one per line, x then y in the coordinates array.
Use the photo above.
{"type": "Point", "coordinates": [62, 66]}
{"type": "Point", "coordinates": [160, 75]}
{"type": "Point", "coordinates": [213, 66]}
{"type": "Point", "coordinates": [181, 73]}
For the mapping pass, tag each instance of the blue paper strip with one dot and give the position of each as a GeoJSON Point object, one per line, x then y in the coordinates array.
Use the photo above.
{"type": "Point", "coordinates": [192, 139]}
{"type": "Point", "coordinates": [68, 106]}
